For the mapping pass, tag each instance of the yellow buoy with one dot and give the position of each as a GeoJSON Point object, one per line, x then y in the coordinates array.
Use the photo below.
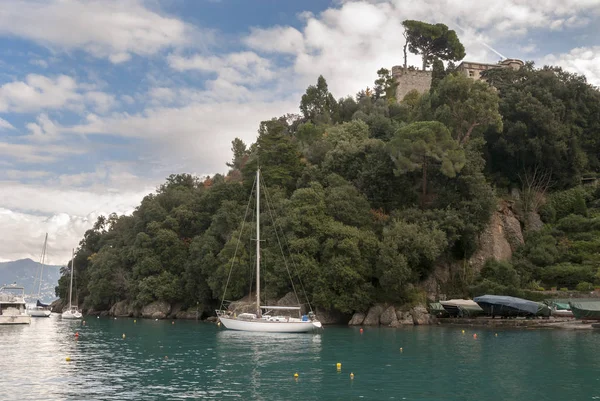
{"type": "Point", "coordinates": [351, 376]}
{"type": "Point", "coordinates": [295, 375]}
{"type": "Point", "coordinates": [123, 336]}
{"type": "Point", "coordinates": [68, 359]}
{"type": "Point", "coordinates": [134, 321]}
{"type": "Point", "coordinates": [463, 332]}
{"type": "Point", "coordinates": [496, 334]}
{"type": "Point", "coordinates": [401, 349]}
{"type": "Point", "coordinates": [338, 366]}
{"type": "Point", "coordinates": [219, 324]}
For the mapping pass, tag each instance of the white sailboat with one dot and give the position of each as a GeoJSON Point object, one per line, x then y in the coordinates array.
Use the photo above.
{"type": "Point", "coordinates": [266, 322]}
{"type": "Point", "coordinates": [40, 309]}
{"type": "Point", "coordinates": [72, 312]}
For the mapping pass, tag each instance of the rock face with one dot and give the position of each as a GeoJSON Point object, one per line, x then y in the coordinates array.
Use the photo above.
{"type": "Point", "coordinates": [389, 318]}
{"type": "Point", "coordinates": [499, 239]}
{"type": "Point", "coordinates": [330, 316]}
{"type": "Point", "coordinates": [121, 309]}
{"type": "Point", "coordinates": [58, 306]}
{"type": "Point", "coordinates": [156, 310]}
{"type": "Point", "coordinates": [357, 319]}
{"type": "Point", "coordinates": [420, 315]}
{"type": "Point", "coordinates": [373, 315]}
{"type": "Point", "coordinates": [189, 315]}
{"type": "Point", "coordinates": [404, 318]}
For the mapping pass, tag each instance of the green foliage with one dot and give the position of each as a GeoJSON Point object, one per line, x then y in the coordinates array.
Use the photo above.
{"type": "Point", "coordinates": [418, 145]}
{"type": "Point", "coordinates": [432, 41]}
{"type": "Point", "coordinates": [385, 85]}
{"type": "Point", "coordinates": [318, 105]}
{"type": "Point", "coordinates": [502, 273]}
{"type": "Point", "coordinates": [584, 286]}
{"type": "Point", "coordinates": [567, 275]}
{"type": "Point", "coordinates": [466, 106]}
{"type": "Point", "coordinates": [571, 201]}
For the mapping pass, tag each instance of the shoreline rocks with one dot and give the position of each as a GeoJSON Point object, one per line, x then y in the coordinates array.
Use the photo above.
{"type": "Point", "coordinates": [390, 316]}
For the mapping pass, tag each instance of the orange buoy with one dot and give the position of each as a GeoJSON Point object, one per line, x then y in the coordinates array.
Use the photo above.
{"type": "Point", "coordinates": [475, 336]}
{"type": "Point", "coordinates": [77, 334]}
{"type": "Point", "coordinates": [361, 330]}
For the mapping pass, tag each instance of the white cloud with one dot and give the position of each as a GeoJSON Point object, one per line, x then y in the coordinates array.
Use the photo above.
{"type": "Point", "coordinates": [581, 60]}
{"type": "Point", "coordinates": [277, 39]}
{"type": "Point", "coordinates": [112, 29]}
{"type": "Point", "coordinates": [39, 63]}
{"type": "Point", "coordinates": [5, 125]}
{"type": "Point", "coordinates": [240, 67]}
{"type": "Point", "coordinates": [36, 153]}
{"type": "Point", "coordinates": [100, 101]}
{"type": "Point", "coordinates": [38, 92]}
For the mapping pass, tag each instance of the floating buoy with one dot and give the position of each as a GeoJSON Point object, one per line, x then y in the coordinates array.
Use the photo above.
{"type": "Point", "coordinates": [134, 321]}
{"type": "Point", "coordinates": [296, 375]}
{"type": "Point", "coordinates": [166, 357]}
{"type": "Point", "coordinates": [115, 318]}
{"type": "Point", "coordinates": [351, 376]}
{"type": "Point", "coordinates": [218, 324]}
{"type": "Point", "coordinates": [401, 350]}
{"type": "Point", "coordinates": [496, 335]}
{"type": "Point", "coordinates": [156, 320]}
{"type": "Point", "coordinates": [475, 336]}
{"type": "Point", "coordinates": [463, 332]}
{"type": "Point", "coordinates": [172, 322]}
{"type": "Point", "coordinates": [83, 322]}
{"type": "Point", "coordinates": [68, 359]}
{"type": "Point", "coordinates": [123, 336]}
{"type": "Point", "coordinates": [77, 334]}
{"type": "Point", "coordinates": [338, 366]}
{"type": "Point", "coordinates": [97, 317]}
{"type": "Point", "coordinates": [361, 330]}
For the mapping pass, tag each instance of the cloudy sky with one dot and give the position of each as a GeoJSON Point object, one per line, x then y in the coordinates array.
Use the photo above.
{"type": "Point", "coordinates": [101, 100]}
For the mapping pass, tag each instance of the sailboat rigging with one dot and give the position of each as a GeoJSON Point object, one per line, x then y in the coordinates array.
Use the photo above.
{"type": "Point", "coordinates": [72, 312]}
{"type": "Point", "coordinates": [40, 309]}
{"type": "Point", "coordinates": [266, 322]}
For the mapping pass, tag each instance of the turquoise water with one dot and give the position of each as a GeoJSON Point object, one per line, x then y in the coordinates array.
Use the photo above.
{"type": "Point", "coordinates": [158, 360]}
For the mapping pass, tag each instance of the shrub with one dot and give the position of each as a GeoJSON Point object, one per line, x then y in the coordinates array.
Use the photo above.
{"type": "Point", "coordinates": [547, 213]}
{"type": "Point", "coordinates": [564, 289]}
{"type": "Point", "coordinates": [584, 286]}
{"type": "Point", "coordinates": [502, 273]}
{"type": "Point", "coordinates": [571, 201]}
{"type": "Point", "coordinates": [567, 274]}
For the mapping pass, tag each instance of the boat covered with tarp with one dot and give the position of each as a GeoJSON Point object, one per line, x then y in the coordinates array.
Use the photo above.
{"type": "Point", "coordinates": [585, 310]}
{"type": "Point", "coordinates": [436, 309]}
{"type": "Point", "coordinates": [462, 307]}
{"type": "Point", "coordinates": [503, 305]}
{"type": "Point", "coordinates": [559, 307]}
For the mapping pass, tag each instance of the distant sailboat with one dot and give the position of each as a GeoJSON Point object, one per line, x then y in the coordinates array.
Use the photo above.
{"type": "Point", "coordinates": [72, 312]}
{"type": "Point", "coordinates": [40, 309]}
{"type": "Point", "coordinates": [266, 322]}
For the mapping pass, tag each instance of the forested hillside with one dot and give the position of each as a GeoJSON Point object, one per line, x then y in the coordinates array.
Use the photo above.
{"type": "Point", "coordinates": [371, 193]}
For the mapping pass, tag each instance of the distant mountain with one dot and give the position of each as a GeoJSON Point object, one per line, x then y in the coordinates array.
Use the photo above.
{"type": "Point", "coordinates": [25, 272]}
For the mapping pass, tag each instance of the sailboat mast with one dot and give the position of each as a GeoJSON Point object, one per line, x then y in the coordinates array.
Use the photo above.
{"type": "Point", "coordinates": [42, 259]}
{"type": "Point", "coordinates": [258, 241]}
{"type": "Point", "coordinates": [72, 268]}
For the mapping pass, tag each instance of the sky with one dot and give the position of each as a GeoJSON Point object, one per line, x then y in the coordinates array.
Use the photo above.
{"type": "Point", "coordinates": [100, 101]}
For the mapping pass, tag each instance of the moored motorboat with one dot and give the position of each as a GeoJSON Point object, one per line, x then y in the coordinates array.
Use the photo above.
{"type": "Point", "coordinates": [506, 306]}
{"type": "Point", "coordinates": [462, 308]}
{"type": "Point", "coordinates": [559, 308]}
{"type": "Point", "coordinates": [13, 309]}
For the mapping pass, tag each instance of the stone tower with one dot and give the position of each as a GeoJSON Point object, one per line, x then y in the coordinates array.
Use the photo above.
{"type": "Point", "coordinates": [409, 79]}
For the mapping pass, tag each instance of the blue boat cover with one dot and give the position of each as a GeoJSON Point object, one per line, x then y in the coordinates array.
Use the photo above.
{"type": "Point", "coordinates": [516, 303]}
{"type": "Point", "coordinates": [41, 304]}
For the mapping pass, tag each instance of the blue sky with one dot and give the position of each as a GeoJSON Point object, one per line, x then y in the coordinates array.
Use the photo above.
{"type": "Point", "coordinates": [100, 100]}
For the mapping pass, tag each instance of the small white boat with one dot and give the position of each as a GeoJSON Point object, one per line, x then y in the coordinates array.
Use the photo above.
{"type": "Point", "coordinates": [40, 309]}
{"type": "Point", "coordinates": [265, 322]}
{"type": "Point", "coordinates": [72, 312]}
{"type": "Point", "coordinates": [13, 309]}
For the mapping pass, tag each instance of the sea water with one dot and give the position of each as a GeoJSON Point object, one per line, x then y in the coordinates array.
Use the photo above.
{"type": "Point", "coordinates": [127, 359]}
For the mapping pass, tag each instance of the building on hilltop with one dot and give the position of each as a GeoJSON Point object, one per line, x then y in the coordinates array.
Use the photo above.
{"type": "Point", "coordinates": [411, 78]}
{"type": "Point", "coordinates": [474, 70]}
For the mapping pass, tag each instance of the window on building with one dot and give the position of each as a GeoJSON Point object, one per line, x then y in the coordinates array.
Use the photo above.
{"type": "Point", "coordinates": [471, 73]}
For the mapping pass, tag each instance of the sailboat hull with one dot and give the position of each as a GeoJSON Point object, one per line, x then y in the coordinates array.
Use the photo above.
{"type": "Point", "coordinates": [71, 315]}
{"type": "Point", "coordinates": [38, 312]}
{"type": "Point", "coordinates": [261, 325]}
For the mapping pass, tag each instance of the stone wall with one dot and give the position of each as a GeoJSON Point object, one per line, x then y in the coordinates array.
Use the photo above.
{"type": "Point", "coordinates": [409, 79]}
